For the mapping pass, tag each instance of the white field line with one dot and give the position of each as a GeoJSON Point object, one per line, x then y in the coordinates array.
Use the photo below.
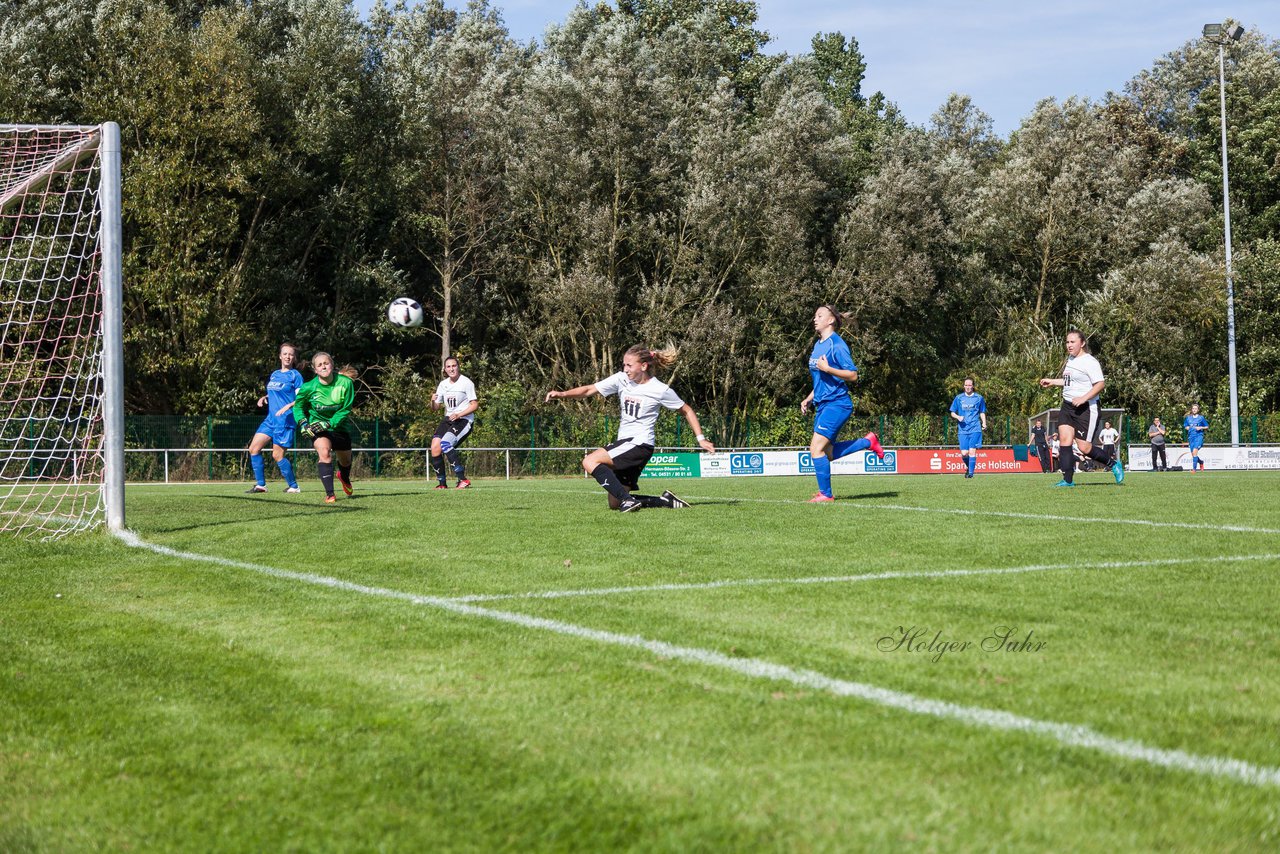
{"type": "Point", "coordinates": [1071, 735]}
{"type": "Point", "coordinates": [1041, 517]}
{"type": "Point", "coordinates": [846, 579]}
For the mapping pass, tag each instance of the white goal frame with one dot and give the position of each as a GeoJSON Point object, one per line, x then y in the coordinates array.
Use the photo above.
{"type": "Point", "coordinates": [100, 142]}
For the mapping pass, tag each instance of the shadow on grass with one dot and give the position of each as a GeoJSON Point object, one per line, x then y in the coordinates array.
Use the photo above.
{"type": "Point", "coordinates": [864, 496]}
{"type": "Point", "coordinates": [274, 508]}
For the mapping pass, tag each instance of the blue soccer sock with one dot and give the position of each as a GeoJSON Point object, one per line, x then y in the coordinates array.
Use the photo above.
{"type": "Point", "coordinates": [259, 469]}
{"type": "Point", "coordinates": [841, 449]}
{"type": "Point", "coordinates": [286, 469]}
{"type": "Point", "coordinates": [973, 462]}
{"type": "Point", "coordinates": [822, 469]}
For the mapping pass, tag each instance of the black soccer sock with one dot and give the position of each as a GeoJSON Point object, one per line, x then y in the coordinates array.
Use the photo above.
{"type": "Point", "coordinates": [606, 478]}
{"type": "Point", "coordinates": [1098, 455]}
{"type": "Point", "coordinates": [345, 472]}
{"type": "Point", "coordinates": [651, 500]}
{"type": "Point", "coordinates": [437, 464]}
{"type": "Point", "coordinates": [326, 476]}
{"type": "Point", "coordinates": [1068, 465]}
{"type": "Point", "coordinates": [456, 463]}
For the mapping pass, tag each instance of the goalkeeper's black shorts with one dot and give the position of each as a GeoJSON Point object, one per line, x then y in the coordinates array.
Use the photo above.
{"type": "Point", "coordinates": [339, 439]}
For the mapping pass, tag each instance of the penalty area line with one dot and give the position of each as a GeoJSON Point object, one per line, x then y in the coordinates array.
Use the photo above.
{"type": "Point", "coordinates": [848, 579]}
{"type": "Point", "coordinates": [955, 511]}
{"type": "Point", "coordinates": [1070, 735]}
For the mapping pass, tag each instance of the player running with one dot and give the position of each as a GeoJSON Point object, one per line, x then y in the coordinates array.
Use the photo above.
{"type": "Point", "coordinates": [277, 428]}
{"type": "Point", "coordinates": [831, 366]}
{"type": "Point", "coordinates": [457, 395]}
{"type": "Point", "coordinates": [1195, 424]}
{"type": "Point", "coordinates": [642, 396]}
{"type": "Point", "coordinates": [969, 409]}
{"type": "Point", "coordinates": [1082, 381]}
{"type": "Point", "coordinates": [323, 412]}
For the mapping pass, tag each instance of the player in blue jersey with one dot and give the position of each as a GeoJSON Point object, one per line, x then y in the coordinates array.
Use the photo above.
{"type": "Point", "coordinates": [1196, 425]}
{"type": "Point", "coordinates": [831, 366]}
{"type": "Point", "coordinates": [276, 429]}
{"type": "Point", "coordinates": [969, 409]}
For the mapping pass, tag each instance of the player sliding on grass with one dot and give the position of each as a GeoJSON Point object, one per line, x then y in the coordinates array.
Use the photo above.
{"type": "Point", "coordinates": [642, 396]}
{"type": "Point", "coordinates": [323, 412]}
{"type": "Point", "coordinates": [1081, 382]}
{"type": "Point", "coordinates": [831, 366]}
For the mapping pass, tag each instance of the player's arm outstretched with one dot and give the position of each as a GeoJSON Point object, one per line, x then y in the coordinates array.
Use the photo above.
{"type": "Point", "coordinates": [573, 393]}
{"type": "Point", "coordinates": [692, 418]}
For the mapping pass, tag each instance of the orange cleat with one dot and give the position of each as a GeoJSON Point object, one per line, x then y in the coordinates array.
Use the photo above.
{"type": "Point", "coordinates": [819, 498]}
{"type": "Point", "coordinates": [875, 445]}
{"type": "Point", "coordinates": [331, 499]}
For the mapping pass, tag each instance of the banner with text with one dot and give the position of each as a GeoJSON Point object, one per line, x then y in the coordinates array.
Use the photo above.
{"type": "Point", "coordinates": [904, 461]}
{"type": "Point", "coordinates": [1259, 457]}
{"type": "Point", "coordinates": [674, 465]}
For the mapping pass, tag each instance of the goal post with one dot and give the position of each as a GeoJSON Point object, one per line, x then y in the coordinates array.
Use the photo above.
{"type": "Point", "coordinates": [61, 330]}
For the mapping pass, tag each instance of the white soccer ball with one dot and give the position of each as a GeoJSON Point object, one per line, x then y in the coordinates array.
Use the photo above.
{"type": "Point", "coordinates": [405, 312]}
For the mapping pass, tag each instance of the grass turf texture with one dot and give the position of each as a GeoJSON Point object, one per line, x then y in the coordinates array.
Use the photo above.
{"type": "Point", "coordinates": [161, 703]}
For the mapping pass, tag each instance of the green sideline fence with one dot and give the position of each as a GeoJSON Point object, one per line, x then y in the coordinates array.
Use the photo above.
{"type": "Point", "coordinates": [181, 448]}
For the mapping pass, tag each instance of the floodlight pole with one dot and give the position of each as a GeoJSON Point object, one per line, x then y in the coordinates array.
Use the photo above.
{"type": "Point", "coordinates": [1222, 33]}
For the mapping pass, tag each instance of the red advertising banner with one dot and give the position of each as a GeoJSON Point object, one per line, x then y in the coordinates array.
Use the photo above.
{"type": "Point", "coordinates": [993, 461]}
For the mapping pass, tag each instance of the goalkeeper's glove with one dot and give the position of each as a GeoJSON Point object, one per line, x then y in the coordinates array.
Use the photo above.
{"type": "Point", "coordinates": [315, 428]}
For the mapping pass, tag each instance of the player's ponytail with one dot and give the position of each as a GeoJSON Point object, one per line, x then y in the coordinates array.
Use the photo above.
{"type": "Point", "coordinates": [663, 358]}
{"type": "Point", "coordinates": [349, 371]}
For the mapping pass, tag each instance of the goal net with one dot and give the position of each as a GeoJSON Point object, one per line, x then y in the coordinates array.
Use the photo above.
{"type": "Point", "coordinates": [61, 413]}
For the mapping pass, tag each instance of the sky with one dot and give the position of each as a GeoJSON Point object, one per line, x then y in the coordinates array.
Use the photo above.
{"type": "Point", "coordinates": [1005, 54]}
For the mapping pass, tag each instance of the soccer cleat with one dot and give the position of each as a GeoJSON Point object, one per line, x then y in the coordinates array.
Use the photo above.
{"type": "Point", "coordinates": [346, 486]}
{"type": "Point", "coordinates": [1064, 483]}
{"type": "Point", "coordinates": [1117, 469]}
{"type": "Point", "coordinates": [441, 486]}
{"type": "Point", "coordinates": [629, 505]}
{"type": "Point", "coordinates": [254, 489]}
{"type": "Point", "coordinates": [672, 501]}
{"type": "Point", "coordinates": [819, 498]}
{"type": "Point", "coordinates": [331, 499]}
{"type": "Point", "coordinates": [876, 448]}
{"type": "Point", "coordinates": [968, 474]}
{"type": "Point", "coordinates": [463, 484]}
{"type": "Point", "coordinates": [292, 490]}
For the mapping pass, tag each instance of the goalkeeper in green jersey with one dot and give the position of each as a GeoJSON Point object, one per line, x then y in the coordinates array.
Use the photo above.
{"type": "Point", "coordinates": [323, 412]}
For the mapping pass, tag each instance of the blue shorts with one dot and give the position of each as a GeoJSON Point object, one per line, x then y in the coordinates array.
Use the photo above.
{"type": "Point", "coordinates": [1196, 440]}
{"type": "Point", "coordinates": [831, 417]}
{"type": "Point", "coordinates": [279, 429]}
{"type": "Point", "coordinates": [970, 439]}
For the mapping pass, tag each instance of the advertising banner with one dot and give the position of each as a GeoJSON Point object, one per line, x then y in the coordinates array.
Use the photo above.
{"type": "Point", "coordinates": [905, 461]}
{"type": "Point", "coordinates": [1255, 457]}
{"type": "Point", "coordinates": [674, 465]}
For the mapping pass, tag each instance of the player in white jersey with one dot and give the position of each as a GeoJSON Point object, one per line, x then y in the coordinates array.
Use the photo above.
{"type": "Point", "coordinates": [1082, 381]}
{"type": "Point", "coordinates": [457, 395]}
{"type": "Point", "coordinates": [642, 397]}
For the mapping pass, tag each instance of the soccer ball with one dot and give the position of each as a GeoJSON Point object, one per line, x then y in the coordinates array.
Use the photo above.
{"type": "Point", "coordinates": [405, 312]}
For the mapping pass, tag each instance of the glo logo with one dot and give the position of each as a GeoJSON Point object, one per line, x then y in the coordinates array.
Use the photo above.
{"type": "Point", "coordinates": [746, 464]}
{"type": "Point", "coordinates": [888, 464]}
{"type": "Point", "coordinates": [806, 462]}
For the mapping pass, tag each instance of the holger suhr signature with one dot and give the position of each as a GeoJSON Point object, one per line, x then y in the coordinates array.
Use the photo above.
{"type": "Point", "coordinates": [922, 639]}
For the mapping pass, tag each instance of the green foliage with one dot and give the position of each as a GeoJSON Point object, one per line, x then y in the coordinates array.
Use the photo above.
{"type": "Point", "coordinates": [650, 172]}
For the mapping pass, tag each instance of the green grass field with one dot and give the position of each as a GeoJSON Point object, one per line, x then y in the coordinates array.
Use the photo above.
{"type": "Point", "coordinates": [514, 667]}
